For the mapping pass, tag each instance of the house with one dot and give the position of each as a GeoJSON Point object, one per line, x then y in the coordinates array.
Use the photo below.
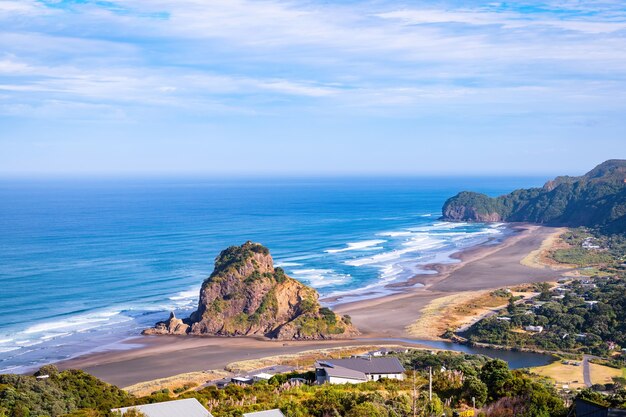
{"type": "Point", "coordinates": [242, 380]}
{"type": "Point", "coordinates": [590, 409]}
{"type": "Point", "coordinates": [502, 318]}
{"type": "Point", "coordinates": [357, 370]}
{"type": "Point", "coordinates": [535, 329]}
{"type": "Point", "coordinates": [267, 413]}
{"type": "Point", "coordinates": [263, 376]}
{"type": "Point", "coordinates": [387, 351]}
{"type": "Point", "coordinates": [189, 407]}
{"type": "Point", "coordinates": [223, 383]}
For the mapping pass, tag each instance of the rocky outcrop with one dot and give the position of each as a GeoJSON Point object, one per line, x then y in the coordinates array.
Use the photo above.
{"type": "Point", "coordinates": [170, 326]}
{"type": "Point", "coordinates": [246, 295]}
{"type": "Point", "coordinates": [596, 199]}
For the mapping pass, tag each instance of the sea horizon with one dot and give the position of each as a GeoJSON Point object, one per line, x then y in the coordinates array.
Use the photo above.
{"type": "Point", "coordinates": [87, 263]}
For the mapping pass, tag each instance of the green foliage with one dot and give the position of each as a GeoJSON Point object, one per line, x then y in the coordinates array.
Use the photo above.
{"type": "Point", "coordinates": [457, 378]}
{"type": "Point", "coordinates": [234, 257]}
{"type": "Point", "coordinates": [596, 199]}
{"type": "Point", "coordinates": [279, 275]}
{"type": "Point", "coordinates": [61, 393]}
{"type": "Point", "coordinates": [570, 324]}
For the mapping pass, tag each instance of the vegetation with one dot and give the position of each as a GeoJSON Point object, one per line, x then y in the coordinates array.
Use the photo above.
{"type": "Point", "coordinates": [585, 316]}
{"type": "Point", "coordinates": [596, 199]}
{"type": "Point", "coordinates": [57, 394]}
{"type": "Point", "coordinates": [235, 257]}
{"type": "Point", "coordinates": [458, 380]}
{"type": "Point", "coordinates": [605, 250]}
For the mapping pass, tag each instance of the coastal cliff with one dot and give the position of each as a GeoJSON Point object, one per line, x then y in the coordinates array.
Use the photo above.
{"type": "Point", "coordinates": [596, 199]}
{"type": "Point", "coordinates": [246, 295]}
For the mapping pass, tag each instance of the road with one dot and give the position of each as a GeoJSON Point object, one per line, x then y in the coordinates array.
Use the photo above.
{"type": "Point", "coordinates": [587, 370]}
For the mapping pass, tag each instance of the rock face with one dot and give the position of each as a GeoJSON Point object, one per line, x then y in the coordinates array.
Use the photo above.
{"type": "Point", "coordinates": [246, 295]}
{"type": "Point", "coordinates": [170, 326]}
{"type": "Point", "coordinates": [596, 199]}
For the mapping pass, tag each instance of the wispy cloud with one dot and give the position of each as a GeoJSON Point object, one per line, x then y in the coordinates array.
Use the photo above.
{"type": "Point", "coordinates": [355, 55]}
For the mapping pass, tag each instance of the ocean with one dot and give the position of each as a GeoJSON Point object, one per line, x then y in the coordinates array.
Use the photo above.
{"type": "Point", "coordinates": [85, 264]}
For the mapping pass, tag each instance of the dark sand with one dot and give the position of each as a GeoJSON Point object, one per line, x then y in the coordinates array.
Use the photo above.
{"type": "Point", "coordinates": [481, 268]}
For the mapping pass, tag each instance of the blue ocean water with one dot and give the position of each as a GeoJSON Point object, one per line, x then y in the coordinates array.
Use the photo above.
{"type": "Point", "coordinates": [87, 263]}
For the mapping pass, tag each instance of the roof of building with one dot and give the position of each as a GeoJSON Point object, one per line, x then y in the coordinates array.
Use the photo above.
{"type": "Point", "coordinates": [263, 375]}
{"type": "Point", "coordinates": [267, 413]}
{"type": "Point", "coordinates": [341, 372]}
{"type": "Point", "coordinates": [376, 365]}
{"type": "Point", "coordinates": [189, 407]}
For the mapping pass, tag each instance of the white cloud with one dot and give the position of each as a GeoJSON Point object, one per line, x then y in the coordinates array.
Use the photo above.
{"type": "Point", "coordinates": [234, 54]}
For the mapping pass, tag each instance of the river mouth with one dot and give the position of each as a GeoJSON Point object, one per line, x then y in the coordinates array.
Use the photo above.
{"type": "Point", "coordinates": [515, 359]}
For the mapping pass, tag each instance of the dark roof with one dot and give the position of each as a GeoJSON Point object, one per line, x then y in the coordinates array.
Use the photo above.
{"type": "Point", "coordinates": [373, 365]}
{"type": "Point", "coordinates": [590, 409]}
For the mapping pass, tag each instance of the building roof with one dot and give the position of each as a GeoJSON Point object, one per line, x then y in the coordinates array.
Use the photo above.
{"type": "Point", "coordinates": [189, 407]}
{"type": "Point", "coordinates": [375, 365]}
{"type": "Point", "coordinates": [268, 413]}
{"type": "Point", "coordinates": [341, 372]}
{"type": "Point", "coordinates": [263, 375]}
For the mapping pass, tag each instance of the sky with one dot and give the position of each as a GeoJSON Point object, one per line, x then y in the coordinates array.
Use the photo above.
{"type": "Point", "coordinates": [347, 87]}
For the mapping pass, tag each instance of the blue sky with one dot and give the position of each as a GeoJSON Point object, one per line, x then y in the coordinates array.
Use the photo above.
{"type": "Point", "coordinates": [136, 87]}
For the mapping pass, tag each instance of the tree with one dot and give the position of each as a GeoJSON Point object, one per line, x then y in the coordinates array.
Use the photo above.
{"type": "Point", "coordinates": [368, 409]}
{"type": "Point", "coordinates": [495, 374]}
{"type": "Point", "coordinates": [474, 388]}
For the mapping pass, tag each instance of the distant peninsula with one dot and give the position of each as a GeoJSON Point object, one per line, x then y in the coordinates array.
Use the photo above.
{"type": "Point", "coordinates": [596, 199]}
{"type": "Point", "coordinates": [246, 295]}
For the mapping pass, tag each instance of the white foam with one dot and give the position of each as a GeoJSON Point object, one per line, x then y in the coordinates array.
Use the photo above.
{"type": "Point", "coordinates": [439, 226]}
{"type": "Point", "coordinates": [319, 278]}
{"type": "Point", "coordinates": [286, 264]}
{"type": "Point", "coordinates": [82, 322]}
{"type": "Point", "coordinates": [394, 234]}
{"type": "Point", "coordinates": [51, 336]}
{"type": "Point", "coordinates": [420, 243]}
{"type": "Point", "coordinates": [8, 349]}
{"type": "Point", "coordinates": [366, 244]}
{"type": "Point", "coordinates": [183, 295]}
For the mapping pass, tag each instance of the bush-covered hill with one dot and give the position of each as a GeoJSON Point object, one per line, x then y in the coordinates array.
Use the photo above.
{"type": "Point", "coordinates": [58, 394]}
{"type": "Point", "coordinates": [246, 295]}
{"type": "Point", "coordinates": [596, 199]}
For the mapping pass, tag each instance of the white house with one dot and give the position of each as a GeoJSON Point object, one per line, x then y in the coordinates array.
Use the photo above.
{"type": "Point", "coordinates": [263, 376]}
{"type": "Point", "coordinates": [357, 370]}
{"type": "Point", "coordinates": [189, 407]}
{"type": "Point", "coordinates": [535, 329]}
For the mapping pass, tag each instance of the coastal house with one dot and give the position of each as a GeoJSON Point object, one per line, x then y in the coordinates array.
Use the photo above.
{"type": "Point", "coordinates": [189, 407]}
{"type": "Point", "coordinates": [534, 329]}
{"type": "Point", "coordinates": [242, 380]}
{"type": "Point", "coordinates": [267, 413]}
{"type": "Point", "coordinates": [262, 376]}
{"type": "Point", "coordinates": [358, 370]}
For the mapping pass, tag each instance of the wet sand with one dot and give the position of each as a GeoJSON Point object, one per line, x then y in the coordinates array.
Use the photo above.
{"type": "Point", "coordinates": [481, 268]}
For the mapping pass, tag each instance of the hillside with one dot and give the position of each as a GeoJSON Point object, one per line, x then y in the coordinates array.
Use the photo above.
{"type": "Point", "coordinates": [596, 199]}
{"type": "Point", "coordinates": [246, 295]}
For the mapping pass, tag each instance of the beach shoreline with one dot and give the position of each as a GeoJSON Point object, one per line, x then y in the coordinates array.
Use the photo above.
{"type": "Point", "coordinates": [486, 266]}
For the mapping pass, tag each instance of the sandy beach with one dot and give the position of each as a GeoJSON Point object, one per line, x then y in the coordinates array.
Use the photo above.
{"type": "Point", "coordinates": [480, 268]}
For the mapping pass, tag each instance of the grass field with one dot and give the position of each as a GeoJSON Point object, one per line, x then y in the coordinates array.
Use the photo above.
{"type": "Point", "coordinates": [603, 374]}
{"type": "Point", "coordinates": [572, 375]}
{"type": "Point", "coordinates": [562, 374]}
